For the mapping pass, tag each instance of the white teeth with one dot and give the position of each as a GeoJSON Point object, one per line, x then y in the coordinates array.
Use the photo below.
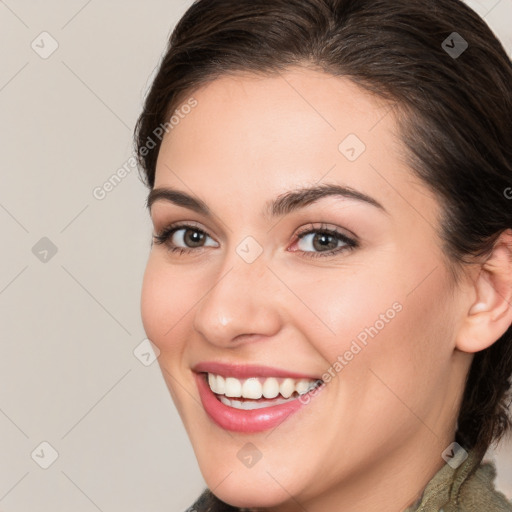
{"type": "Point", "coordinates": [249, 406]}
{"type": "Point", "coordinates": [217, 383]}
{"type": "Point", "coordinates": [302, 386]}
{"type": "Point", "coordinates": [221, 385]}
{"type": "Point", "coordinates": [270, 388]}
{"type": "Point", "coordinates": [256, 388]}
{"type": "Point", "coordinates": [252, 388]}
{"type": "Point", "coordinates": [287, 387]}
{"type": "Point", "coordinates": [233, 387]}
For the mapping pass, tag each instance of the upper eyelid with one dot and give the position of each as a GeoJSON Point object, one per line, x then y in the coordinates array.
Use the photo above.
{"type": "Point", "coordinates": [326, 226]}
{"type": "Point", "coordinates": [314, 226]}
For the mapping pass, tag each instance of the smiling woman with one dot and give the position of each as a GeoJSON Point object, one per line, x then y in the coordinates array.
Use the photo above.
{"type": "Point", "coordinates": [330, 283]}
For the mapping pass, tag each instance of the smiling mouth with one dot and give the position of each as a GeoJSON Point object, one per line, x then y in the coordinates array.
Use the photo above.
{"type": "Point", "coordinates": [253, 404]}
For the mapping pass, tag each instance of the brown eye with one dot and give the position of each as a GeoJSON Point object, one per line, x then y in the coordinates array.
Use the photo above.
{"type": "Point", "coordinates": [322, 240]}
{"type": "Point", "coordinates": [325, 242]}
{"type": "Point", "coordinates": [192, 237]}
{"type": "Point", "coordinates": [182, 238]}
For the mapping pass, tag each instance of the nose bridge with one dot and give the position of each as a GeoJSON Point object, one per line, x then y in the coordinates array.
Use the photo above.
{"type": "Point", "coordinates": [240, 299]}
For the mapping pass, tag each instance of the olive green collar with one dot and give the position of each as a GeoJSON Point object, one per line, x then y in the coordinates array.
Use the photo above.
{"type": "Point", "coordinates": [465, 488]}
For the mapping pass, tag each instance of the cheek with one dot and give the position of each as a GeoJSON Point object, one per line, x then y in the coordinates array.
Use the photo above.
{"type": "Point", "coordinates": [151, 303]}
{"type": "Point", "coordinates": [164, 304]}
{"type": "Point", "coordinates": [373, 318]}
{"type": "Point", "coordinates": [346, 310]}
{"type": "Point", "coordinates": [406, 358]}
{"type": "Point", "coordinates": [163, 310]}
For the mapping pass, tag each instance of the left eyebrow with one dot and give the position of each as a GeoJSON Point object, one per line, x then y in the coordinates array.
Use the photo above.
{"type": "Point", "coordinates": [282, 205]}
{"type": "Point", "coordinates": [302, 197]}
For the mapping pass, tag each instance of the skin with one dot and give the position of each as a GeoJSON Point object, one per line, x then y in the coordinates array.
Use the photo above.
{"type": "Point", "coordinates": [383, 421]}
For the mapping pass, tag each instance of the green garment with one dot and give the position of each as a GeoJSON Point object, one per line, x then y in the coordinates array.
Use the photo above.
{"type": "Point", "coordinates": [468, 488]}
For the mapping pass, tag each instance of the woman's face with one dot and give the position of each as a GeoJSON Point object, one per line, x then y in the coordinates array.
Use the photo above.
{"type": "Point", "coordinates": [374, 320]}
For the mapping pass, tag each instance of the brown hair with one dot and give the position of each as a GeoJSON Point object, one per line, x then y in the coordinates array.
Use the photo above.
{"type": "Point", "coordinates": [454, 113]}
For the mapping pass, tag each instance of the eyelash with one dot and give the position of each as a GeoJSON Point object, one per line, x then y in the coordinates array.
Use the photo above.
{"type": "Point", "coordinates": [166, 233]}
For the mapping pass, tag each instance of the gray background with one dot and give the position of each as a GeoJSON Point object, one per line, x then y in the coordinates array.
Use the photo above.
{"type": "Point", "coordinates": [70, 319]}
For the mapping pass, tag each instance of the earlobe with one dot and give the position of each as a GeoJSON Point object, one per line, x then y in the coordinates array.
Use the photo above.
{"type": "Point", "coordinates": [490, 314]}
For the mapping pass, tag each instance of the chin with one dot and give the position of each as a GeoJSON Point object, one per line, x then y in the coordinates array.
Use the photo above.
{"type": "Point", "coordinates": [255, 495]}
{"type": "Point", "coordinates": [248, 487]}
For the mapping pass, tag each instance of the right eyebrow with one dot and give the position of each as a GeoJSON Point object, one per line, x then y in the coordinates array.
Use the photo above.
{"type": "Point", "coordinates": [178, 198]}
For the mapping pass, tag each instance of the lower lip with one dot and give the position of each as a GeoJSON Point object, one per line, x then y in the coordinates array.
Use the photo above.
{"type": "Point", "coordinates": [237, 420]}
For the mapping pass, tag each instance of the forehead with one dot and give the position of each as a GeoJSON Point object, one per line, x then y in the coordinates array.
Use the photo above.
{"type": "Point", "coordinates": [283, 107]}
{"type": "Point", "coordinates": [274, 133]}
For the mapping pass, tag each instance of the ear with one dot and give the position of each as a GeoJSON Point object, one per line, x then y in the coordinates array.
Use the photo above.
{"type": "Point", "coordinates": [490, 314]}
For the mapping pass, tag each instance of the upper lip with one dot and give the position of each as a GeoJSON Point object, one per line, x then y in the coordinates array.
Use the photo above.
{"type": "Point", "coordinates": [243, 370]}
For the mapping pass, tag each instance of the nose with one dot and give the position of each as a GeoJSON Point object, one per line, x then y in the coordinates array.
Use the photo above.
{"type": "Point", "coordinates": [241, 303]}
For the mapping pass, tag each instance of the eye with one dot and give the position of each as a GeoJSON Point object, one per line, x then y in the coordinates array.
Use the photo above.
{"type": "Point", "coordinates": [191, 237]}
{"type": "Point", "coordinates": [326, 241]}
{"type": "Point", "coordinates": [187, 238]}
